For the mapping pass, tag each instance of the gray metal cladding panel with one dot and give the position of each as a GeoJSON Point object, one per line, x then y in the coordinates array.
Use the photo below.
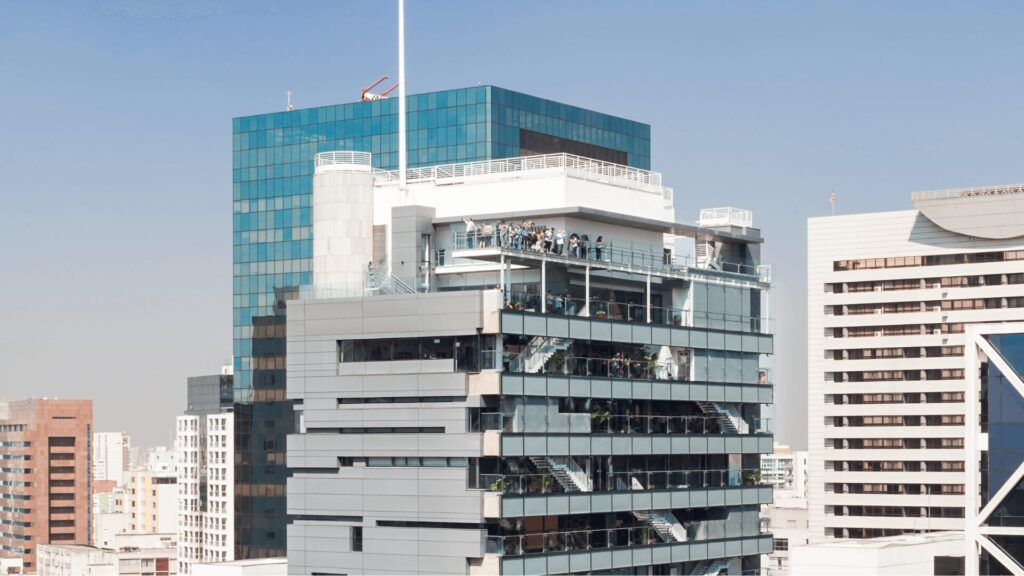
{"type": "Point", "coordinates": [733, 341]}
{"type": "Point", "coordinates": [535, 386]}
{"type": "Point", "coordinates": [660, 501]}
{"type": "Point", "coordinates": [698, 339]}
{"type": "Point", "coordinates": [579, 329]}
{"type": "Point", "coordinates": [661, 336]}
{"type": "Point", "coordinates": [511, 323]}
{"type": "Point", "coordinates": [641, 334]}
{"type": "Point", "coordinates": [716, 341]}
{"type": "Point", "coordinates": [733, 393]}
{"type": "Point", "coordinates": [764, 545]}
{"type": "Point", "coordinates": [579, 562]}
{"type": "Point", "coordinates": [558, 386]}
{"type": "Point", "coordinates": [662, 391]}
{"type": "Point", "coordinates": [766, 345]}
{"type": "Point", "coordinates": [512, 566]}
{"type": "Point", "coordinates": [641, 501]}
{"type": "Point", "coordinates": [765, 394]}
{"type": "Point", "coordinates": [716, 498]}
{"type": "Point", "coordinates": [641, 556]}
{"type": "Point", "coordinates": [558, 564]}
{"type": "Point", "coordinates": [622, 558]}
{"type": "Point", "coordinates": [622, 389]}
{"type": "Point", "coordinates": [698, 498]}
{"type": "Point", "coordinates": [680, 553]}
{"type": "Point", "coordinates": [766, 494]}
{"type": "Point", "coordinates": [558, 445]}
{"type": "Point", "coordinates": [642, 390]}
{"type": "Point", "coordinates": [715, 392]}
{"type": "Point", "coordinates": [511, 385]}
{"type": "Point", "coordinates": [680, 499]}
{"type": "Point", "coordinates": [716, 549]}
{"type": "Point", "coordinates": [733, 497]}
{"type": "Point", "coordinates": [535, 565]}
{"type": "Point", "coordinates": [558, 327]}
{"type": "Point", "coordinates": [535, 325]}
{"type": "Point", "coordinates": [601, 560]}
{"type": "Point", "coordinates": [621, 332]}
{"type": "Point", "coordinates": [733, 548]}
{"type": "Point", "coordinates": [699, 551]}
{"type": "Point", "coordinates": [600, 331]}
{"type": "Point", "coordinates": [579, 388]}
{"type": "Point", "coordinates": [579, 503]}
{"type": "Point", "coordinates": [601, 388]}
{"type": "Point", "coordinates": [661, 555]}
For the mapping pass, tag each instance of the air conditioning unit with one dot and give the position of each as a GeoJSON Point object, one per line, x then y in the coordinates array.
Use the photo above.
{"type": "Point", "coordinates": [937, 308]}
{"type": "Point", "coordinates": [937, 285]}
{"type": "Point", "coordinates": [878, 310]}
{"type": "Point", "coordinates": [937, 331]}
{"type": "Point", "coordinates": [878, 288]}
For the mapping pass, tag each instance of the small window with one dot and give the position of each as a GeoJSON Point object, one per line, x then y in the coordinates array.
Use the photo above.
{"type": "Point", "coordinates": [357, 538]}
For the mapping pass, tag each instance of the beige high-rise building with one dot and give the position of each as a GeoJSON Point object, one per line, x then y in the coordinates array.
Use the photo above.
{"type": "Point", "coordinates": [889, 297]}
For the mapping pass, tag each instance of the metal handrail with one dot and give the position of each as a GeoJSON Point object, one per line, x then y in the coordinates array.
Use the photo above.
{"type": "Point", "coordinates": [576, 166]}
{"type": "Point", "coordinates": [968, 192]}
{"type": "Point", "coordinates": [342, 157]}
{"type": "Point", "coordinates": [611, 255]}
{"type": "Point", "coordinates": [629, 481]}
{"type": "Point", "coordinates": [625, 424]}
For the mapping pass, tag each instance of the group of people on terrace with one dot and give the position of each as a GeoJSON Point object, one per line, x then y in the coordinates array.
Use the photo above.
{"type": "Point", "coordinates": [531, 237]}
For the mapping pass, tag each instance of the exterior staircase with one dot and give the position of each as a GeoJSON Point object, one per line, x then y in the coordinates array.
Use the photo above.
{"type": "Point", "coordinates": [569, 475]}
{"type": "Point", "coordinates": [728, 417]}
{"type": "Point", "coordinates": [541, 349]}
{"type": "Point", "coordinates": [664, 523]}
{"type": "Point", "coordinates": [710, 567]}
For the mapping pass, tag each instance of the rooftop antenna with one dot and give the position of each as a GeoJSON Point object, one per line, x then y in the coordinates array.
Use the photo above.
{"type": "Point", "coordinates": [402, 160]}
{"type": "Point", "coordinates": [832, 201]}
{"type": "Point", "coordinates": [366, 96]}
{"type": "Point", "coordinates": [290, 105]}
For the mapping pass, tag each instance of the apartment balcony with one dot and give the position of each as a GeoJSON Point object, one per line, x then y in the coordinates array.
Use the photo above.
{"type": "Point", "coordinates": [612, 256]}
{"type": "Point", "coordinates": [589, 551]}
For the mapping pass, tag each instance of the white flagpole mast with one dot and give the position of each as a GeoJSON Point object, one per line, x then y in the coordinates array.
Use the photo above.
{"type": "Point", "coordinates": [402, 159]}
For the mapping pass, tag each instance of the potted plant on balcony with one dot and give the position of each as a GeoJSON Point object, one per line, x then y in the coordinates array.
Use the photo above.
{"type": "Point", "coordinates": [500, 484]}
{"type": "Point", "coordinates": [752, 478]}
{"type": "Point", "coordinates": [548, 483]}
{"type": "Point", "coordinates": [651, 365]}
{"type": "Point", "coordinates": [599, 417]}
{"type": "Point", "coordinates": [557, 362]}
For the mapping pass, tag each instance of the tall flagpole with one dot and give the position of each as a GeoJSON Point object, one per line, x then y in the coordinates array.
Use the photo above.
{"type": "Point", "coordinates": [402, 159]}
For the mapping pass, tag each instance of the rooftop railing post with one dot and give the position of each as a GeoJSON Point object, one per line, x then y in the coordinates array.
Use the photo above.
{"type": "Point", "coordinates": [586, 291]}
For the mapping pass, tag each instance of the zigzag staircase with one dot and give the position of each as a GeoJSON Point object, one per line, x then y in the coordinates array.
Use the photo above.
{"type": "Point", "coordinates": [569, 475]}
{"type": "Point", "coordinates": [664, 522]}
{"type": "Point", "coordinates": [728, 417]}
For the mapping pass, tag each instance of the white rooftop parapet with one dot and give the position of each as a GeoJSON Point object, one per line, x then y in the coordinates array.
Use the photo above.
{"type": "Point", "coordinates": [345, 161]}
{"type": "Point", "coordinates": [718, 217]}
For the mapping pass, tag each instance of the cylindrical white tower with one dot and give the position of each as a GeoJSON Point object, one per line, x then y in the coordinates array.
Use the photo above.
{"type": "Point", "coordinates": [342, 223]}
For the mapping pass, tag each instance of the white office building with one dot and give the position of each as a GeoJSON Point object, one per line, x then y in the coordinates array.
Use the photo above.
{"type": "Point", "coordinates": [206, 473]}
{"type": "Point", "coordinates": [786, 469]}
{"type": "Point", "coordinates": [111, 456]}
{"type": "Point", "coordinates": [527, 378]}
{"type": "Point", "coordinates": [889, 297]}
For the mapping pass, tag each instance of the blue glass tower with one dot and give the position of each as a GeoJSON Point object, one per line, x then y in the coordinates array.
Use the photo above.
{"type": "Point", "coordinates": [272, 169]}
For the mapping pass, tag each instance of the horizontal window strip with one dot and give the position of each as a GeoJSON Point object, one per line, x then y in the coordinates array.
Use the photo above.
{"type": "Point", "coordinates": [323, 518]}
{"type": "Point", "coordinates": [401, 399]}
{"type": "Point", "coordinates": [380, 430]}
{"type": "Point", "coordinates": [446, 525]}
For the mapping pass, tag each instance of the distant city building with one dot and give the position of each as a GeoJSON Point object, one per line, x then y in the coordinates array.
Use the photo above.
{"type": "Point", "coordinates": [11, 566]}
{"type": "Point", "coordinates": [159, 459]}
{"type": "Point", "coordinates": [152, 496]}
{"type": "Point", "coordinates": [785, 469]}
{"type": "Point", "coordinates": [110, 517]}
{"type": "Point", "coordinates": [929, 554]}
{"type": "Point", "coordinates": [206, 480]}
{"type": "Point", "coordinates": [505, 368]}
{"type": "Point", "coordinates": [254, 567]}
{"type": "Point", "coordinates": [130, 555]}
{"type": "Point", "coordinates": [890, 295]}
{"type": "Point", "coordinates": [45, 468]}
{"type": "Point", "coordinates": [272, 186]}
{"type": "Point", "coordinates": [786, 519]}
{"type": "Point", "coordinates": [111, 456]}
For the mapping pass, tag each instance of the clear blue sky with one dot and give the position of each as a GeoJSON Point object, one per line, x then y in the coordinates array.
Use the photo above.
{"type": "Point", "coordinates": [115, 116]}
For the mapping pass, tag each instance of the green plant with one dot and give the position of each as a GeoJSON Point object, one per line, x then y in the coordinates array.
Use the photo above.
{"type": "Point", "coordinates": [548, 482]}
{"type": "Point", "coordinates": [557, 361]}
{"type": "Point", "coordinates": [500, 484]}
{"type": "Point", "coordinates": [599, 415]}
{"type": "Point", "coordinates": [753, 478]}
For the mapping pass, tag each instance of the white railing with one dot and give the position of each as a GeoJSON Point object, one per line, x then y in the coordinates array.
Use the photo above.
{"type": "Point", "coordinates": [342, 157]}
{"type": "Point", "coordinates": [576, 166]}
{"type": "Point", "coordinates": [968, 192]}
{"type": "Point", "coordinates": [714, 217]}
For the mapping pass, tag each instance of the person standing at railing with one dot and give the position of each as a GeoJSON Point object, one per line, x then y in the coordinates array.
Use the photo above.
{"type": "Point", "coordinates": [599, 248]}
{"type": "Point", "coordinates": [574, 245]}
{"type": "Point", "coordinates": [470, 232]}
{"type": "Point", "coordinates": [486, 235]}
{"type": "Point", "coordinates": [560, 242]}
